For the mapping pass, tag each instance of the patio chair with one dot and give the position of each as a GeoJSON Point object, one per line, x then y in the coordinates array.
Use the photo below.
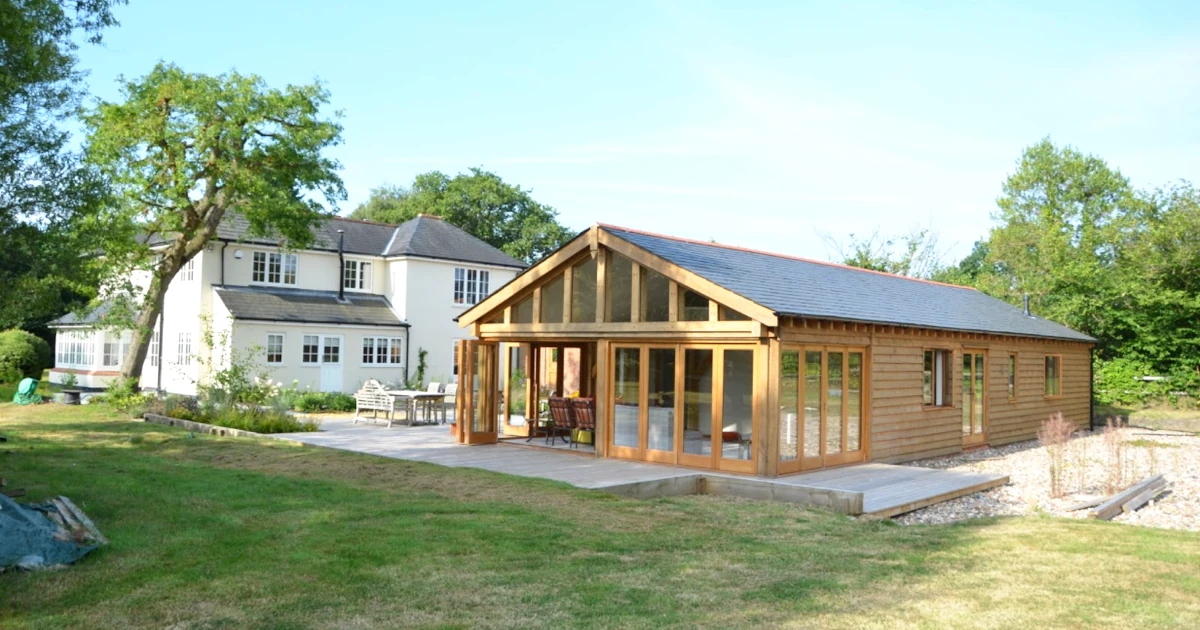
{"type": "Point", "coordinates": [450, 399]}
{"type": "Point", "coordinates": [584, 410]}
{"type": "Point", "coordinates": [560, 419]}
{"type": "Point", "coordinates": [374, 397]}
{"type": "Point", "coordinates": [429, 404]}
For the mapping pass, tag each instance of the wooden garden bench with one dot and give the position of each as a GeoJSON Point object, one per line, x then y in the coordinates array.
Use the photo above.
{"type": "Point", "coordinates": [374, 397]}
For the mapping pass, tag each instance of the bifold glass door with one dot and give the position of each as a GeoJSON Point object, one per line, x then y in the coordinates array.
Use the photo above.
{"type": "Point", "coordinates": [477, 415]}
{"type": "Point", "coordinates": [687, 405]}
{"type": "Point", "coordinates": [822, 407]}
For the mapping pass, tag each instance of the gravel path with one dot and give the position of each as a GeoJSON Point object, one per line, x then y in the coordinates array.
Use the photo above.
{"type": "Point", "coordinates": [1174, 454]}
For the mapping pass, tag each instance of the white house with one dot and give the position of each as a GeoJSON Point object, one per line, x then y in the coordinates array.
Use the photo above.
{"type": "Point", "coordinates": [358, 304]}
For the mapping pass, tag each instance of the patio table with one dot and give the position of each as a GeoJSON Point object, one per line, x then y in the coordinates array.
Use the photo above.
{"type": "Point", "coordinates": [412, 398]}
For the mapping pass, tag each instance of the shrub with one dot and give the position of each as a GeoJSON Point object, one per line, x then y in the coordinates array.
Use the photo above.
{"type": "Point", "coordinates": [23, 353]}
{"type": "Point", "coordinates": [323, 401]}
{"type": "Point", "coordinates": [253, 418]}
{"type": "Point", "coordinates": [124, 394]}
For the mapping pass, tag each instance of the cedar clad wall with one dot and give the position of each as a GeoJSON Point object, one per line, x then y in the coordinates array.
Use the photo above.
{"type": "Point", "coordinates": [902, 428]}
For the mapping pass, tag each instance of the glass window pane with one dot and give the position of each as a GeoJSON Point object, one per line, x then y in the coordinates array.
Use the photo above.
{"type": "Point", "coordinates": [697, 401]}
{"type": "Point", "coordinates": [789, 405]}
{"type": "Point", "coordinates": [833, 401]}
{"type": "Point", "coordinates": [518, 386]}
{"type": "Point", "coordinates": [1012, 376]}
{"type": "Point", "coordinates": [726, 314]}
{"type": "Point", "coordinates": [854, 402]}
{"type": "Point", "coordinates": [583, 291]}
{"type": "Point", "coordinates": [618, 287]}
{"type": "Point", "coordinates": [552, 301]}
{"type": "Point", "coordinates": [812, 404]}
{"type": "Point", "coordinates": [661, 404]}
{"type": "Point", "coordinates": [656, 296]}
{"type": "Point", "coordinates": [693, 306]}
{"type": "Point", "coordinates": [737, 411]}
{"type": "Point", "coordinates": [968, 396]}
{"type": "Point", "coordinates": [977, 421]}
{"type": "Point", "coordinates": [927, 378]}
{"type": "Point", "coordinates": [522, 312]}
{"type": "Point", "coordinates": [626, 402]}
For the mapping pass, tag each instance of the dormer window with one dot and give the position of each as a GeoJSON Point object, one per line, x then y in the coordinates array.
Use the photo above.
{"type": "Point", "coordinates": [273, 268]}
{"type": "Point", "coordinates": [470, 285]}
{"type": "Point", "coordinates": [357, 276]}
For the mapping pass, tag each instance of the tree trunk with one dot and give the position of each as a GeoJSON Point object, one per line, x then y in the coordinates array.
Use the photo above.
{"type": "Point", "coordinates": [152, 305]}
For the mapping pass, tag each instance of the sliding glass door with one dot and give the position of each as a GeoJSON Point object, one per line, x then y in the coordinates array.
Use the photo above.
{"type": "Point", "coordinates": [822, 407]}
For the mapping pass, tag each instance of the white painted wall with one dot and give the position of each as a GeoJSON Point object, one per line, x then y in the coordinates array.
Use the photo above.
{"type": "Point", "coordinates": [354, 371]}
{"type": "Point", "coordinates": [431, 311]}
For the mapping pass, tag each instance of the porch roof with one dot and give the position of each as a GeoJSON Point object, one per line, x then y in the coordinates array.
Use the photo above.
{"type": "Point", "coordinates": [270, 304]}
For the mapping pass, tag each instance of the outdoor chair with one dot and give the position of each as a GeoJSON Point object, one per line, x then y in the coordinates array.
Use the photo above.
{"type": "Point", "coordinates": [430, 404]}
{"type": "Point", "coordinates": [374, 397]}
{"type": "Point", "coordinates": [560, 419]}
{"type": "Point", "coordinates": [450, 399]}
{"type": "Point", "coordinates": [584, 410]}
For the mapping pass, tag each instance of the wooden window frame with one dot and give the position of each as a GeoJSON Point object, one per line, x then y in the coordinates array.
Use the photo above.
{"type": "Point", "coordinates": [947, 380]}
{"type": "Point", "coordinates": [1014, 369]}
{"type": "Point", "coordinates": [1059, 359]}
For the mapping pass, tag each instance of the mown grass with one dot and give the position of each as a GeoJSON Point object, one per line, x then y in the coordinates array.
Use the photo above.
{"type": "Point", "coordinates": [223, 532]}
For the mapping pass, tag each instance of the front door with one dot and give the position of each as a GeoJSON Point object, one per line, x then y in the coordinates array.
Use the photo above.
{"type": "Point", "coordinates": [331, 364]}
{"type": "Point", "coordinates": [479, 370]}
{"type": "Point", "coordinates": [974, 407]}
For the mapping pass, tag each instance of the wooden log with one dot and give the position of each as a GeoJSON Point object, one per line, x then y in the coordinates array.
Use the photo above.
{"type": "Point", "coordinates": [1112, 506]}
{"type": "Point", "coordinates": [1144, 497]}
{"type": "Point", "coordinates": [1085, 504]}
{"type": "Point", "coordinates": [84, 520]}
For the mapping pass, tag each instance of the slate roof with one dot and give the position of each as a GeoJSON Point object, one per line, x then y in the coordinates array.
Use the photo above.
{"type": "Point", "coordinates": [424, 236]}
{"type": "Point", "coordinates": [806, 288]}
{"type": "Point", "coordinates": [271, 304]}
{"type": "Point", "coordinates": [86, 318]}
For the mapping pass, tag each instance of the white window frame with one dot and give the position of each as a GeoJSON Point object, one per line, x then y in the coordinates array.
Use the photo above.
{"type": "Point", "coordinates": [155, 340]}
{"type": "Point", "coordinates": [282, 346]}
{"type": "Point", "coordinates": [74, 349]}
{"type": "Point", "coordinates": [340, 345]}
{"type": "Point", "coordinates": [304, 345]}
{"type": "Point", "coordinates": [358, 275]}
{"type": "Point", "coordinates": [283, 267]}
{"type": "Point", "coordinates": [386, 344]}
{"type": "Point", "coordinates": [187, 271]}
{"type": "Point", "coordinates": [116, 346]}
{"type": "Point", "coordinates": [183, 349]}
{"type": "Point", "coordinates": [471, 285]}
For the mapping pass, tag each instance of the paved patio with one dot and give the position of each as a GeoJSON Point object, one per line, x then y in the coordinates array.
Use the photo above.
{"type": "Point", "coordinates": [880, 490]}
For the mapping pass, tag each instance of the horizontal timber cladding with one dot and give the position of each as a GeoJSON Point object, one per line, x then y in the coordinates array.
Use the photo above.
{"type": "Point", "coordinates": [903, 428]}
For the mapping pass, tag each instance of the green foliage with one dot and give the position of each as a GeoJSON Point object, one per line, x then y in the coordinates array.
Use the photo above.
{"type": "Point", "coordinates": [323, 401]}
{"type": "Point", "coordinates": [259, 419]}
{"type": "Point", "coordinates": [1102, 257]}
{"type": "Point", "coordinates": [418, 379]}
{"type": "Point", "coordinates": [69, 381]}
{"type": "Point", "coordinates": [500, 214]}
{"type": "Point", "coordinates": [914, 254]}
{"type": "Point", "coordinates": [180, 152]}
{"type": "Point", "coordinates": [24, 354]}
{"type": "Point", "coordinates": [45, 191]}
{"type": "Point", "coordinates": [125, 395]}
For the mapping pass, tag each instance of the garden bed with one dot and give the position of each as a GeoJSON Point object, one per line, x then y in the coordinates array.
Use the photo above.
{"type": "Point", "coordinates": [1174, 454]}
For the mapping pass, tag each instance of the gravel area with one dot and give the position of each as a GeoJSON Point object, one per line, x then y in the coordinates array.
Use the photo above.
{"type": "Point", "coordinates": [1173, 454]}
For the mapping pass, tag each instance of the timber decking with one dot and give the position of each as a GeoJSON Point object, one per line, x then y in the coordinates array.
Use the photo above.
{"type": "Point", "coordinates": [877, 490]}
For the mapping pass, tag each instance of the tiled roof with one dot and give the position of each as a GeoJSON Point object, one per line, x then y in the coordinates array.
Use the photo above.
{"type": "Point", "coordinates": [300, 306]}
{"type": "Point", "coordinates": [806, 288]}
{"type": "Point", "coordinates": [423, 236]}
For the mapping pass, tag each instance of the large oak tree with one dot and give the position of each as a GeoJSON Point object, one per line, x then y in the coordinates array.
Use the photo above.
{"type": "Point", "coordinates": [184, 150]}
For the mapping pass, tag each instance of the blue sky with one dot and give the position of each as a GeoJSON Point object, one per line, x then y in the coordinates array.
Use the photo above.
{"type": "Point", "coordinates": [764, 125]}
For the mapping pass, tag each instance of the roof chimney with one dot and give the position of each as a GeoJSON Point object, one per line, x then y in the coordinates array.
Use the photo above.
{"type": "Point", "coordinates": [341, 281]}
{"type": "Point", "coordinates": [1025, 298]}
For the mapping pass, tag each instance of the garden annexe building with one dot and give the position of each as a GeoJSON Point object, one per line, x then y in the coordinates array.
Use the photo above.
{"type": "Point", "coordinates": [716, 357]}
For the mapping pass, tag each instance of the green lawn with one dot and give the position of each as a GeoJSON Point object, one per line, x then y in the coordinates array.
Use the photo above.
{"type": "Point", "coordinates": [221, 532]}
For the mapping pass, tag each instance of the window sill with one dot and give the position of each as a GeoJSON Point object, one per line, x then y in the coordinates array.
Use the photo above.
{"type": "Point", "coordinates": [1054, 397]}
